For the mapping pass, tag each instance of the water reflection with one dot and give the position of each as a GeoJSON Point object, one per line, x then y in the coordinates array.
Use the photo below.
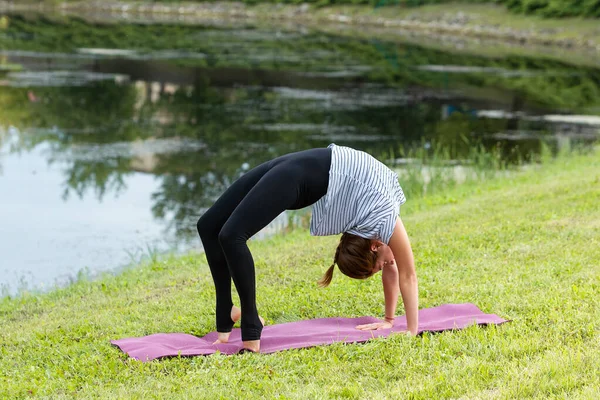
{"type": "Point", "coordinates": [58, 78]}
{"type": "Point", "coordinates": [164, 132]}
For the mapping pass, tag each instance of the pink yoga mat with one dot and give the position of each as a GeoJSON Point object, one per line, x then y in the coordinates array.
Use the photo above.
{"type": "Point", "coordinates": [301, 334]}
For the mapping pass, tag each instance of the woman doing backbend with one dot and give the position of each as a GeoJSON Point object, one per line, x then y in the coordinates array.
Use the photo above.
{"type": "Point", "coordinates": [351, 193]}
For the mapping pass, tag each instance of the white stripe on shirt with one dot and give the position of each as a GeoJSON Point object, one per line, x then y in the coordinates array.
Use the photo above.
{"type": "Point", "coordinates": [363, 197]}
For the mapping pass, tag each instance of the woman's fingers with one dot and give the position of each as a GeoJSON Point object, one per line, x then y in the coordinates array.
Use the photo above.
{"type": "Point", "coordinates": [367, 327]}
{"type": "Point", "coordinates": [374, 326]}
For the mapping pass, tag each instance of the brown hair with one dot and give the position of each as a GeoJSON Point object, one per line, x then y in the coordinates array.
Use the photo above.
{"type": "Point", "coordinates": [353, 257]}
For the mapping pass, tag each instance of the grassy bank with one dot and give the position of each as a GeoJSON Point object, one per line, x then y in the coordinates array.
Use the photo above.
{"type": "Point", "coordinates": [525, 247]}
{"type": "Point", "coordinates": [547, 8]}
{"type": "Point", "coordinates": [485, 21]}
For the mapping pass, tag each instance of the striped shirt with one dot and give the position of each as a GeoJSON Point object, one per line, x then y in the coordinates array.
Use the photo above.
{"type": "Point", "coordinates": [363, 197]}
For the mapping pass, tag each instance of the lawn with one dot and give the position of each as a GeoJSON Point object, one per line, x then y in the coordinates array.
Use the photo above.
{"type": "Point", "coordinates": [524, 246]}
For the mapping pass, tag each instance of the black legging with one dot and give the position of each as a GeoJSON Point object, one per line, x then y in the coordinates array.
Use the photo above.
{"type": "Point", "coordinates": [288, 182]}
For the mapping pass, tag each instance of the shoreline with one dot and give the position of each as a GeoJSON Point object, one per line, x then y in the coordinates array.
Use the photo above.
{"type": "Point", "coordinates": [486, 22]}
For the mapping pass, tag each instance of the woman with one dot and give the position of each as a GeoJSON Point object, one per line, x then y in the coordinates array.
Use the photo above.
{"type": "Point", "coordinates": [351, 193]}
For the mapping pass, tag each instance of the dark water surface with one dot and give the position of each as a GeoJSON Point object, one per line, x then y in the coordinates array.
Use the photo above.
{"type": "Point", "coordinates": [114, 139]}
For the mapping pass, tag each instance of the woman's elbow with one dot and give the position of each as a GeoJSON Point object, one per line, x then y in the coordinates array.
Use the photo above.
{"type": "Point", "coordinates": [407, 275]}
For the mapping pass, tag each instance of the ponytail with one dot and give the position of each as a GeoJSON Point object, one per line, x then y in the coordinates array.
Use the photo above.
{"type": "Point", "coordinates": [326, 279]}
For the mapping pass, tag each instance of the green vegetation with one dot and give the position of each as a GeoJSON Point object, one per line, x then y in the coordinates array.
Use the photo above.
{"type": "Point", "coordinates": [544, 8]}
{"type": "Point", "coordinates": [483, 20]}
{"type": "Point", "coordinates": [546, 82]}
{"type": "Point", "coordinates": [524, 246]}
{"type": "Point", "coordinates": [556, 8]}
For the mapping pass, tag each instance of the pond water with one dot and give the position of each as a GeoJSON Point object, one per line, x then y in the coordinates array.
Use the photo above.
{"type": "Point", "coordinates": [115, 138]}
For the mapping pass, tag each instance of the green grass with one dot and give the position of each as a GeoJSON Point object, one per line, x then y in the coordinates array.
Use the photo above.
{"type": "Point", "coordinates": [465, 18]}
{"type": "Point", "coordinates": [483, 20]}
{"type": "Point", "coordinates": [479, 20]}
{"type": "Point", "coordinates": [525, 246]}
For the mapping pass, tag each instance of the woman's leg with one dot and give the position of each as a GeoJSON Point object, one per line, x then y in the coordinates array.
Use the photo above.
{"type": "Point", "coordinates": [276, 192]}
{"type": "Point", "coordinates": [289, 182]}
{"type": "Point", "coordinates": [209, 226]}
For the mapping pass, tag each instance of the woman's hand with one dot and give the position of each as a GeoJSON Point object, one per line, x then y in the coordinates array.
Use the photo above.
{"type": "Point", "coordinates": [376, 326]}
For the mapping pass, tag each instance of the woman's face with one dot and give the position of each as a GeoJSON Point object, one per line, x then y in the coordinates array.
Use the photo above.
{"type": "Point", "coordinates": [385, 256]}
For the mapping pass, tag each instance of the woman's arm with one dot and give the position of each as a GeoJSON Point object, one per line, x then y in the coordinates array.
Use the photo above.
{"type": "Point", "coordinates": [399, 276]}
{"type": "Point", "coordinates": [391, 289]}
{"type": "Point", "coordinates": [407, 276]}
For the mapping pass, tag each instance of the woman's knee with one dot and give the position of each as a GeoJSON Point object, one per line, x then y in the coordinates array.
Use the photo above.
{"type": "Point", "coordinates": [229, 236]}
{"type": "Point", "coordinates": [206, 226]}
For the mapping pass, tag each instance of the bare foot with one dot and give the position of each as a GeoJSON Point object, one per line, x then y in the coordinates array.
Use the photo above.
{"type": "Point", "coordinates": [222, 338]}
{"type": "Point", "coordinates": [236, 314]}
{"type": "Point", "coordinates": [252, 345]}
